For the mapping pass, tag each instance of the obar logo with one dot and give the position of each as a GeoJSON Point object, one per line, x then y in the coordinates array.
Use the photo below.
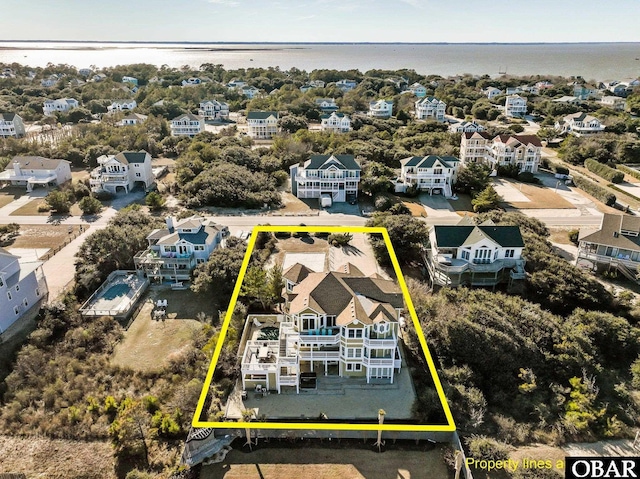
{"type": "Point", "coordinates": [602, 467]}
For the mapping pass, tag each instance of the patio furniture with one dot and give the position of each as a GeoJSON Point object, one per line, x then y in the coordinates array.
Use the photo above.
{"type": "Point", "coordinates": [263, 352]}
{"type": "Point", "coordinates": [258, 388]}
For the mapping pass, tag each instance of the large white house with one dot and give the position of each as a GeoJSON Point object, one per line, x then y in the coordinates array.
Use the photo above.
{"type": "Point", "coordinates": [381, 109]}
{"type": "Point", "coordinates": [30, 171]}
{"type": "Point", "coordinates": [22, 289]}
{"type": "Point", "coordinates": [122, 172]}
{"type": "Point", "coordinates": [613, 102]}
{"type": "Point", "coordinates": [430, 108]}
{"type": "Point", "coordinates": [214, 110]}
{"type": "Point", "coordinates": [338, 323]}
{"type": "Point", "coordinates": [262, 124]}
{"type": "Point", "coordinates": [515, 106]}
{"type": "Point", "coordinates": [335, 123]}
{"type": "Point", "coordinates": [522, 150]}
{"type": "Point", "coordinates": [122, 105]}
{"type": "Point", "coordinates": [11, 125]}
{"type": "Point", "coordinates": [187, 124]}
{"type": "Point", "coordinates": [435, 174]}
{"type": "Point", "coordinates": [250, 91]}
{"type": "Point", "coordinates": [491, 92]}
{"type": "Point", "coordinates": [59, 105]}
{"type": "Point", "coordinates": [335, 175]}
{"type": "Point", "coordinates": [175, 251]}
{"type": "Point", "coordinates": [474, 255]}
{"type": "Point", "coordinates": [579, 124]}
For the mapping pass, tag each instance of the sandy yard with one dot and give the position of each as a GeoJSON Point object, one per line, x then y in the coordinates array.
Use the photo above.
{"type": "Point", "coordinates": [331, 463]}
{"type": "Point", "coordinates": [529, 196]}
{"type": "Point", "coordinates": [43, 237]}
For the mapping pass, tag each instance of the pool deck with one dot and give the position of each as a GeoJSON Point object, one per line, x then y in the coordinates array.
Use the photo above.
{"type": "Point", "coordinates": [117, 296]}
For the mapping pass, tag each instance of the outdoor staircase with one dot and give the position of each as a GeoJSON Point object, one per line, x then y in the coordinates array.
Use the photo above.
{"type": "Point", "coordinates": [624, 269]}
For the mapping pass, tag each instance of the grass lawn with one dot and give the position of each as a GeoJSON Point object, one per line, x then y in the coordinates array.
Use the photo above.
{"type": "Point", "coordinates": [541, 197]}
{"type": "Point", "coordinates": [31, 209]}
{"type": "Point", "coordinates": [43, 236]}
{"type": "Point", "coordinates": [147, 344]}
{"type": "Point", "coordinates": [462, 204]}
{"type": "Point", "coordinates": [10, 193]}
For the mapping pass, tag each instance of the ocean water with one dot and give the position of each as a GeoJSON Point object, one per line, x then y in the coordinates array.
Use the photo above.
{"type": "Point", "coordinates": [597, 61]}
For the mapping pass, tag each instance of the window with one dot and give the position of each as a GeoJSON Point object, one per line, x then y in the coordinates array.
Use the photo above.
{"type": "Point", "coordinates": [138, 175]}
{"type": "Point", "coordinates": [25, 302]}
{"type": "Point", "coordinates": [16, 310]}
{"type": "Point", "coordinates": [9, 295]}
{"type": "Point", "coordinates": [198, 248]}
{"type": "Point", "coordinates": [17, 288]}
{"type": "Point", "coordinates": [1, 283]}
{"type": "Point", "coordinates": [354, 352]}
{"type": "Point", "coordinates": [509, 253]}
{"type": "Point", "coordinates": [354, 367]}
{"type": "Point", "coordinates": [37, 292]}
{"type": "Point", "coordinates": [465, 254]}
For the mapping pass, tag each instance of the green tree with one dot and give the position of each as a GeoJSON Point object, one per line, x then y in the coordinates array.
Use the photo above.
{"type": "Point", "coordinates": [473, 178]}
{"type": "Point", "coordinates": [90, 205]}
{"type": "Point", "coordinates": [486, 200]}
{"type": "Point", "coordinates": [276, 283]}
{"type": "Point", "coordinates": [255, 286]}
{"type": "Point", "coordinates": [408, 236]}
{"type": "Point", "coordinates": [154, 201]}
{"type": "Point", "coordinates": [59, 201]}
{"type": "Point", "coordinates": [293, 123]}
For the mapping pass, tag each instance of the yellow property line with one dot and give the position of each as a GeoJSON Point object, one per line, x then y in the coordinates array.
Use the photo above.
{"type": "Point", "coordinates": [450, 426]}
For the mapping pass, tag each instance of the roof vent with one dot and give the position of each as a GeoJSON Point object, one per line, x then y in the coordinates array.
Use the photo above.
{"type": "Point", "coordinates": [615, 234]}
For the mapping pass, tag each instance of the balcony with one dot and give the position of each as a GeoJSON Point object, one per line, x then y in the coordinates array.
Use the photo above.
{"type": "Point", "coordinates": [388, 343]}
{"type": "Point", "coordinates": [457, 265]}
{"type": "Point", "coordinates": [319, 355]}
{"type": "Point", "coordinates": [385, 362]}
{"type": "Point", "coordinates": [319, 339]}
{"type": "Point", "coordinates": [150, 256]}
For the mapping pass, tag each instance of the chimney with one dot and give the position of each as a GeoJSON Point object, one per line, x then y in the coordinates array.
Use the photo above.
{"type": "Point", "coordinates": [170, 224]}
{"type": "Point", "coordinates": [16, 168]}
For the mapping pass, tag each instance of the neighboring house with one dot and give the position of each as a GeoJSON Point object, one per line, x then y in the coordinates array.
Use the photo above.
{"type": "Point", "coordinates": [50, 81]}
{"type": "Point", "coordinates": [482, 255]}
{"type": "Point", "coordinates": [30, 171]}
{"type": "Point", "coordinates": [262, 124]}
{"type": "Point", "coordinates": [514, 90]}
{"type": "Point", "coordinates": [23, 288]}
{"type": "Point", "coordinates": [335, 175]}
{"type": "Point", "coordinates": [622, 89]}
{"type": "Point", "coordinates": [613, 102]}
{"type": "Point", "coordinates": [430, 108]}
{"type": "Point", "coordinates": [311, 85]}
{"type": "Point", "coordinates": [381, 109]}
{"type": "Point", "coordinates": [492, 92]}
{"type": "Point", "coordinates": [341, 324]}
{"type": "Point", "coordinates": [250, 91]}
{"type": "Point", "coordinates": [132, 80]}
{"type": "Point", "coordinates": [214, 110]}
{"type": "Point", "coordinates": [544, 85]}
{"type": "Point", "coordinates": [191, 81]}
{"type": "Point", "coordinates": [616, 243]}
{"type": "Point", "coordinates": [418, 90]}
{"type": "Point", "coordinates": [122, 105]}
{"type": "Point", "coordinates": [579, 124]}
{"type": "Point", "coordinates": [234, 84]}
{"type": "Point", "coordinates": [132, 119]}
{"type": "Point", "coordinates": [122, 172]}
{"type": "Point", "coordinates": [522, 150]}
{"type": "Point", "coordinates": [515, 106]}
{"type": "Point", "coordinates": [584, 91]}
{"type": "Point", "coordinates": [466, 127]}
{"type": "Point", "coordinates": [98, 77]}
{"type": "Point", "coordinates": [187, 125]}
{"type": "Point", "coordinates": [85, 72]}
{"type": "Point", "coordinates": [570, 100]}
{"type": "Point", "coordinates": [434, 174]}
{"type": "Point", "coordinates": [326, 105]}
{"type": "Point", "coordinates": [346, 85]}
{"type": "Point", "coordinates": [175, 251]}
{"type": "Point", "coordinates": [335, 123]}
{"type": "Point", "coordinates": [61, 105]}
{"type": "Point", "coordinates": [11, 125]}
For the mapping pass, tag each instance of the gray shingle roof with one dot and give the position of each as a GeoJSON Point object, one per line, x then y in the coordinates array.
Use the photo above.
{"type": "Point", "coordinates": [131, 156]}
{"type": "Point", "coordinates": [261, 115]}
{"type": "Point", "coordinates": [429, 161]}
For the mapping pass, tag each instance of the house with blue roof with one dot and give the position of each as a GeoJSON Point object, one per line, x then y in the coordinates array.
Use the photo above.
{"type": "Point", "coordinates": [433, 174]}
{"type": "Point", "coordinates": [334, 175]}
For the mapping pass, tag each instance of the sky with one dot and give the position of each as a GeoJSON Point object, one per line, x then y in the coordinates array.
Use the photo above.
{"type": "Point", "coordinates": [428, 21]}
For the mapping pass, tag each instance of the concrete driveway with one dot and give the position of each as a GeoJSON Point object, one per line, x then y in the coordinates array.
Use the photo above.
{"type": "Point", "coordinates": [437, 206]}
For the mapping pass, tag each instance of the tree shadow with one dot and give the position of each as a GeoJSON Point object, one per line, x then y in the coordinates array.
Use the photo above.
{"type": "Point", "coordinates": [351, 250]}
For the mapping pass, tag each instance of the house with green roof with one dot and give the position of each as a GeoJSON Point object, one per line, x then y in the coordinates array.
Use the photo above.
{"type": "Point", "coordinates": [433, 174]}
{"type": "Point", "coordinates": [334, 175]}
{"type": "Point", "coordinates": [335, 123]}
{"type": "Point", "coordinates": [262, 125]}
{"type": "Point", "coordinates": [467, 254]}
{"type": "Point", "coordinates": [122, 172]}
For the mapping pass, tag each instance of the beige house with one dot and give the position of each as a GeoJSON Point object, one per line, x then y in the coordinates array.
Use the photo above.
{"type": "Point", "coordinates": [263, 125]}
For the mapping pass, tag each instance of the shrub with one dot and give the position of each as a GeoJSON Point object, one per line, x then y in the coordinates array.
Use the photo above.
{"type": "Point", "coordinates": [573, 236]}
{"type": "Point", "coordinates": [629, 171]}
{"type": "Point", "coordinates": [340, 239]}
{"type": "Point", "coordinates": [509, 171]}
{"type": "Point", "coordinates": [604, 171]}
{"type": "Point", "coordinates": [154, 201]}
{"type": "Point", "coordinates": [43, 207]}
{"type": "Point", "coordinates": [412, 191]}
{"type": "Point", "coordinates": [594, 190]}
{"type": "Point", "coordinates": [59, 201]}
{"type": "Point", "coordinates": [528, 177]}
{"type": "Point", "coordinates": [383, 203]}
{"type": "Point", "coordinates": [282, 234]}
{"type": "Point", "coordinates": [483, 447]}
{"type": "Point", "coordinates": [486, 200]}
{"type": "Point", "coordinates": [399, 209]}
